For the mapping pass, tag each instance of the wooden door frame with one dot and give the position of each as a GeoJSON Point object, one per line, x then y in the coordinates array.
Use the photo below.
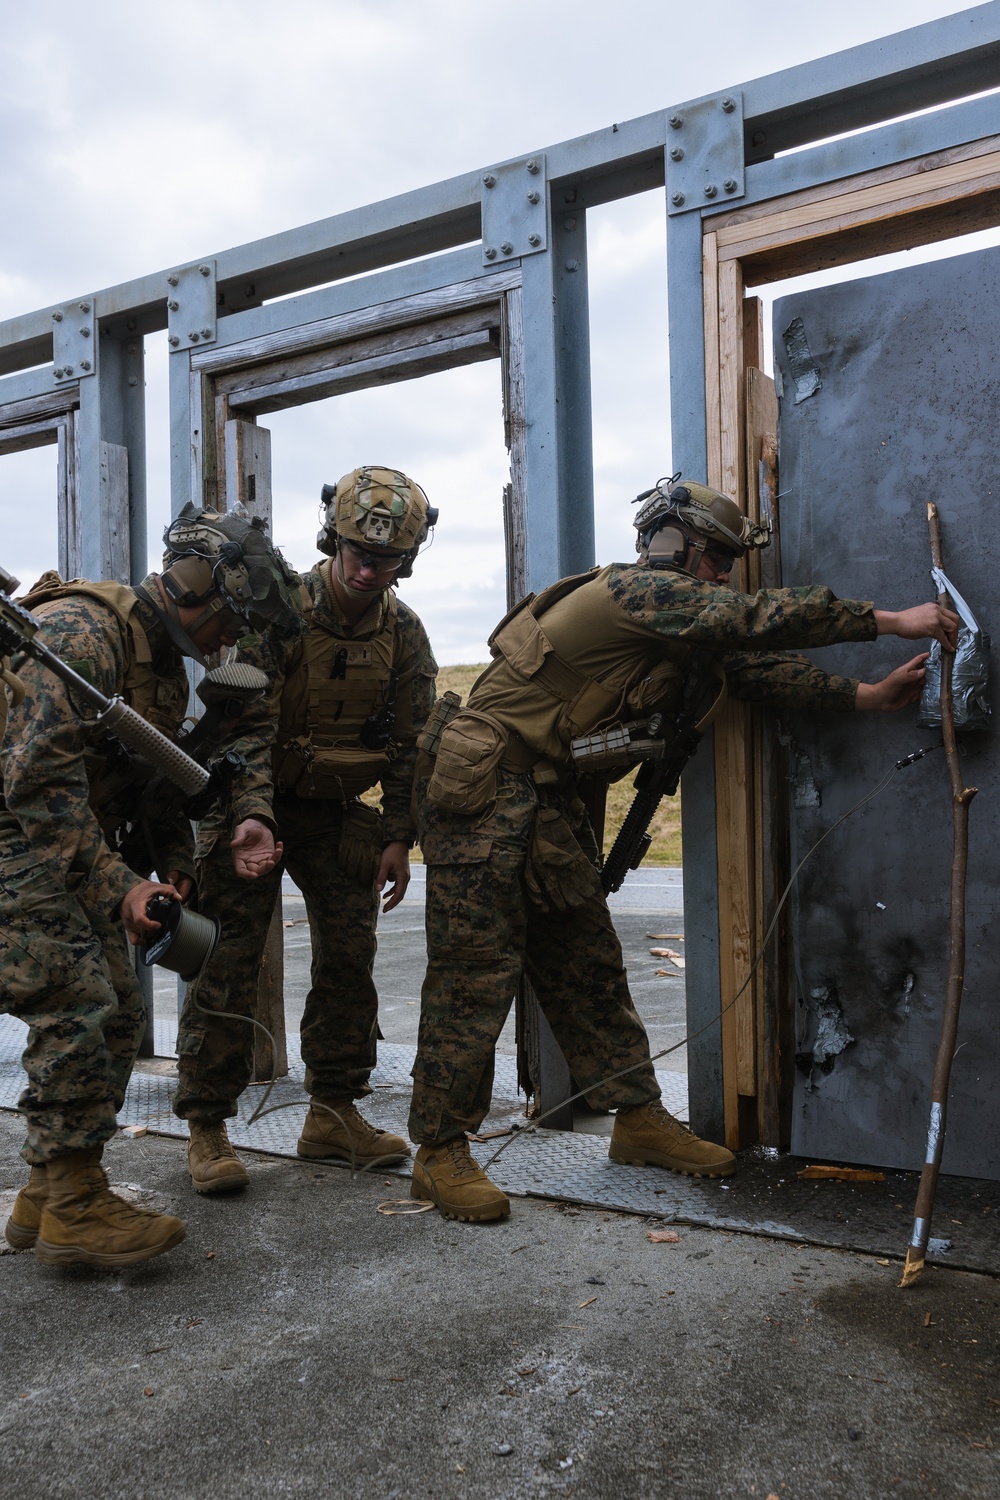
{"type": "Point", "coordinates": [917, 202]}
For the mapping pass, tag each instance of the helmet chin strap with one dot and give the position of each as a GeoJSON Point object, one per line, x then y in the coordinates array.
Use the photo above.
{"type": "Point", "coordinates": [168, 613]}
{"type": "Point", "coordinates": [349, 589]}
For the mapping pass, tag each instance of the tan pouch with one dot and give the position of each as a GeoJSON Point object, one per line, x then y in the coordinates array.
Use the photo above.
{"type": "Point", "coordinates": [444, 710]}
{"type": "Point", "coordinates": [359, 853]}
{"type": "Point", "coordinates": [558, 875]}
{"type": "Point", "coordinates": [464, 779]}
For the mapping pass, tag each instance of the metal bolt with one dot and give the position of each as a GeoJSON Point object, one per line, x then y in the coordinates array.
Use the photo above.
{"type": "Point", "coordinates": [677, 199]}
{"type": "Point", "coordinates": [730, 184]}
{"type": "Point", "coordinates": [85, 364]}
{"type": "Point", "coordinates": [506, 248]}
{"type": "Point", "coordinates": [571, 195]}
{"type": "Point", "coordinates": [173, 340]}
{"type": "Point", "coordinates": [57, 372]}
{"type": "Point", "coordinates": [85, 333]}
{"type": "Point", "coordinates": [569, 223]}
{"type": "Point", "coordinates": [131, 325]}
{"type": "Point", "coordinates": [533, 167]}
{"type": "Point", "coordinates": [676, 121]}
{"type": "Point", "coordinates": [68, 370]}
{"type": "Point", "coordinates": [206, 333]}
{"type": "Point", "coordinates": [489, 180]}
{"type": "Point", "coordinates": [85, 307]}
{"type": "Point", "coordinates": [534, 196]}
{"type": "Point", "coordinates": [534, 239]}
{"type": "Point", "coordinates": [710, 190]}
{"type": "Point", "coordinates": [677, 153]}
{"type": "Point", "coordinates": [57, 317]}
{"type": "Point", "coordinates": [132, 380]}
{"type": "Point", "coordinates": [205, 270]}
{"type": "Point", "coordinates": [193, 337]}
{"type": "Point", "coordinates": [728, 105]}
{"type": "Point", "coordinates": [490, 253]}
{"type": "Point", "coordinates": [173, 304]}
{"type": "Point", "coordinates": [572, 265]}
{"type": "Point", "coordinates": [172, 280]}
{"type": "Point", "coordinates": [759, 139]}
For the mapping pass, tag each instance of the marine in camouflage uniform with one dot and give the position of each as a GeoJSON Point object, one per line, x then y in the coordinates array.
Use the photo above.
{"type": "Point", "coordinates": [78, 844]}
{"type": "Point", "coordinates": [512, 878]}
{"type": "Point", "coordinates": [346, 704]}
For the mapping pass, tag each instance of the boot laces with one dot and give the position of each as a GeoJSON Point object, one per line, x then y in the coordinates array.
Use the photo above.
{"type": "Point", "coordinates": [351, 1119]}
{"type": "Point", "coordinates": [460, 1158]}
{"type": "Point", "coordinates": [662, 1116]}
{"type": "Point", "coordinates": [216, 1138]}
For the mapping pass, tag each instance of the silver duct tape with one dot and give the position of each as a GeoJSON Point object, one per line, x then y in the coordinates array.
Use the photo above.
{"type": "Point", "coordinates": [934, 1135]}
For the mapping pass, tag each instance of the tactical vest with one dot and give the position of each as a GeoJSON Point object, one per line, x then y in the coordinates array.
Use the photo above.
{"type": "Point", "coordinates": [331, 690]}
{"type": "Point", "coordinates": [570, 660]}
{"type": "Point", "coordinates": [161, 700]}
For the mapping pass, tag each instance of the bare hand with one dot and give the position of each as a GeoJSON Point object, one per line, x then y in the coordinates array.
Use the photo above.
{"type": "Point", "coordinates": [254, 849]}
{"type": "Point", "coordinates": [133, 909]}
{"type": "Point", "coordinates": [182, 884]}
{"type": "Point", "coordinates": [922, 622]}
{"type": "Point", "coordinates": [394, 869]}
{"type": "Point", "coordinates": [896, 691]}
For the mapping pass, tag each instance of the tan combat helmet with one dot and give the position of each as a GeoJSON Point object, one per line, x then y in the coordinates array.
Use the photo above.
{"type": "Point", "coordinates": [379, 510]}
{"type": "Point", "coordinates": [673, 518]}
{"type": "Point", "coordinates": [226, 561]}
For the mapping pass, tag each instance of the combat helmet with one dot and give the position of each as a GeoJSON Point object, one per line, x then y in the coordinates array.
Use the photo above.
{"type": "Point", "coordinates": [379, 510]}
{"type": "Point", "coordinates": [226, 561]}
{"type": "Point", "coordinates": [674, 517]}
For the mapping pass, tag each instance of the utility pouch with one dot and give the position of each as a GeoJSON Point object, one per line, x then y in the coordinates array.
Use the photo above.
{"type": "Point", "coordinates": [557, 875]}
{"type": "Point", "coordinates": [359, 853]}
{"type": "Point", "coordinates": [291, 765]}
{"type": "Point", "coordinates": [464, 779]}
{"type": "Point", "coordinates": [444, 710]}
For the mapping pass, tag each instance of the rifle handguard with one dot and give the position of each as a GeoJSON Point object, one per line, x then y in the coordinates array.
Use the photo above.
{"type": "Point", "coordinates": [120, 720]}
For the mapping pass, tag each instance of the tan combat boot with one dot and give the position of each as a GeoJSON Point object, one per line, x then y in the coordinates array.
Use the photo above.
{"type": "Point", "coordinates": [84, 1222]}
{"type": "Point", "coordinates": [21, 1230]}
{"type": "Point", "coordinates": [348, 1138]}
{"type": "Point", "coordinates": [649, 1136]}
{"type": "Point", "coordinates": [451, 1178]}
{"type": "Point", "coordinates": [212, 1162]}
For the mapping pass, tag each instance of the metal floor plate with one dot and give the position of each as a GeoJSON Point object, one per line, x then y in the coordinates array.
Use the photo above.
{"type": "Point", "coordinates": [766, 1197]}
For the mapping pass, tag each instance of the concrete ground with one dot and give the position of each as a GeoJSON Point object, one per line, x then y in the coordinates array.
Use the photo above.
{"type": "Point", "coordinates": [300, 1342]}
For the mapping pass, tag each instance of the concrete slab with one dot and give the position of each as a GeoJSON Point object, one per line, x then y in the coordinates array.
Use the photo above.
{"type": "Point", "coordinates": [300, 1342]}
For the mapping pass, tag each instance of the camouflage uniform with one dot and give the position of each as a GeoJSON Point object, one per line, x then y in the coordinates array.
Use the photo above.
{"type": "Point", "coordinates": [335, 869]}
{"type": "Point", "coordinates": [620, 645]}
{"type": "Point", "coordinates": [68, 856]}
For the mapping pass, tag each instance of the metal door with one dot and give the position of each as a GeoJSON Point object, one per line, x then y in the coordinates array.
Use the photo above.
{"type": "Point", "coordinates": [889, 398]}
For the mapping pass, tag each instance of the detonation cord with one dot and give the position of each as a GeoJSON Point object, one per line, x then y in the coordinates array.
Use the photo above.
{"type": "Point", "coordinates": [520, 1131]}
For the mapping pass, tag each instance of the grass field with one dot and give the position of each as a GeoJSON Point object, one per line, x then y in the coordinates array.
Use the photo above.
{"type": "Point", "coordinates": [666, 826]}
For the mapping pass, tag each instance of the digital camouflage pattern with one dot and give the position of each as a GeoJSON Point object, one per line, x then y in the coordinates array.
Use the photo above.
{"type": "Point", "coordinates": [339, 1025]}
{"type": "Point", "coordinates": [483, 925]}
{"type": "Point", "coordinates": [482, 928]}
{"type": "Point", "coordinates": [64, 962]}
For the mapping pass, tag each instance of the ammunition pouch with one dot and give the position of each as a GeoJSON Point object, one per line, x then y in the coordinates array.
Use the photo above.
{"type": "Point", "coordinates": [558, 875]}
{"type": "Point", "coordinates": [464, 779]}
{"type": "Point", "coordinates": [444, 710]}
{"type": "Point", "coordinates": [359, 852]}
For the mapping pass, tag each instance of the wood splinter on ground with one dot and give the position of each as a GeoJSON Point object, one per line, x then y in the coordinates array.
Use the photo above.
{"type": "Point", "coordinates": [841, 1174]}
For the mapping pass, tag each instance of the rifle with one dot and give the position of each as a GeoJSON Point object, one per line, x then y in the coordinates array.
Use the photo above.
{"type": "Point", "coordinates": [199, 784]}
{"type": "Point", "coordinates": [662, 758]}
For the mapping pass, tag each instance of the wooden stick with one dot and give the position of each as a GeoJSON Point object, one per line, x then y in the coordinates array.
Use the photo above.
{"type": "Point", "coordinates": [961, 796]}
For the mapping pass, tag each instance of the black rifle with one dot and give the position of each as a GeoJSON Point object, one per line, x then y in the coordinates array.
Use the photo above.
{"type": "Point", "coordinates": [657, 777]}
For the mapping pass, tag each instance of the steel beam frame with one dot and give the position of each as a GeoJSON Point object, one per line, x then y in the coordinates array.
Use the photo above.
{"type": "Point", "coordinates": [432, 239]}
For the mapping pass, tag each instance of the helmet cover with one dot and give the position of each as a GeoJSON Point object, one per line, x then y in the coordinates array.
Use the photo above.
{"type": "Point", "coordinates": [379, 509]}
{"type": "Point", "coordinates": [692, 514]}
{"type": "Point", "coordinates": [228, 554]}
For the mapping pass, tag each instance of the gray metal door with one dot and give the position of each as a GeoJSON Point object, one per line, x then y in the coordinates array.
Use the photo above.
{"type": "Point", "coordinates": [889, 398]}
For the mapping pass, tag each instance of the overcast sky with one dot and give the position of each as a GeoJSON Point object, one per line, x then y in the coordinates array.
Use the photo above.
{"type": "Point", "coordinates": [136, 136]}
